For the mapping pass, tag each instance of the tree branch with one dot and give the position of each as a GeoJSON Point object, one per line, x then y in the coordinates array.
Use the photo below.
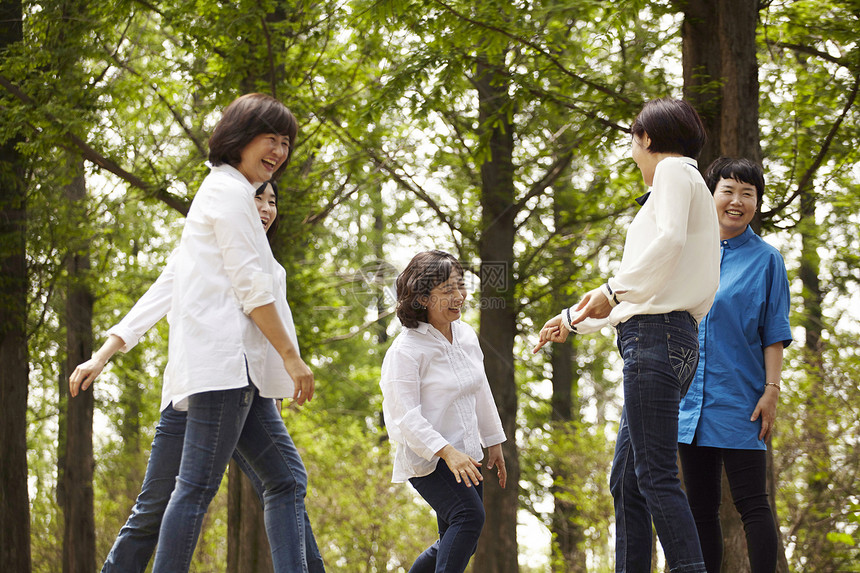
{"type": "Point", "coordinates": [553, 60]}
{"type": "Point", "coordinates": [822, 153]}
{"type": "Point", "coordinates": [91, 155]}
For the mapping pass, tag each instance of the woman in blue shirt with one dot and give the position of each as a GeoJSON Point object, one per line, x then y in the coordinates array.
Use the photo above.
{"type": "Point", "coordinates": [729, 410]}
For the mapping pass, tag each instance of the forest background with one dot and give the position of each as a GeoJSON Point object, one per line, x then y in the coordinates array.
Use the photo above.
{"type": "Point", "coordinates": [495, 130]}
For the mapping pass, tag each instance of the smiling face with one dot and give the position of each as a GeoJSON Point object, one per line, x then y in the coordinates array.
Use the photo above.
{"type": "Point", "coordinates": [267, 207]}
{"type": "Point", "coordinates": [262, 157]}
{"type": "Point", "coordinates": [736, 205]}
{"type": "Point", "coordinates": [445, 301]}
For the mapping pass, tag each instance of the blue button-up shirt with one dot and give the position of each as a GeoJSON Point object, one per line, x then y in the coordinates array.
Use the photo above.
{"type": "Point", "coordinates": [750, 312]}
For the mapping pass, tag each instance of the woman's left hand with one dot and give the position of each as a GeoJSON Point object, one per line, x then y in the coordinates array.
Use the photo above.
{"type": "Point", "coordinates": [496, 459]}
{"type": "Point", "coordinates": [766, 408]}
{"type": "Point", "coordinates": [593, 305]}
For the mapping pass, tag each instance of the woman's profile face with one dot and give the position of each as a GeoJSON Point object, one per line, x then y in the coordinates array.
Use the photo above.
{"type": "Point", "coordinates": [645, 160]}
{"type": "Point", "coordinates": [267, 207]}
{"type": "Point", "coordinates": [262, 157]}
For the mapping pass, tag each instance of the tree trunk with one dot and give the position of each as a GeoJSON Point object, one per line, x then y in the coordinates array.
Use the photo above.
{"type": "Point", "coordinates": [75, 487]}
{"type": "Point", "coordinates": [497, 549]}
{"type": "Point", "coordinates": [566, 532]}
{"type": "Point", "coordinates": [721, 80]}
{"type": "Point", "coordinates": [721, 74]}
{"type": "Point", "coordinates": [247, 543]}
{"type": "Point", "coordinates": [815, 426]}
{"type": "Point", "coordinates": [14, 498]}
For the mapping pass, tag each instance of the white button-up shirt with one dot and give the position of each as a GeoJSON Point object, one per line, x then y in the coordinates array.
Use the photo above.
{"type": "Point", "coordinates": [671, 257]}
{"type": "Point", "coordinates": [436, 393]}
{"type": "Point", "coordinates": [223, 269]}
{"type": "Point", "coordinates": [155, 304]}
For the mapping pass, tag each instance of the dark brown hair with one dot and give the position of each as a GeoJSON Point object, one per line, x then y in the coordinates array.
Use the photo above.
{"type": "Point", "coordinates": [424, 272]}
{"type": "Point", "coordinates": [243, 120]}
{"type": "Point", "coordinates": [741, 170]}
{"type": "Point", "coordinates": [673, 126]}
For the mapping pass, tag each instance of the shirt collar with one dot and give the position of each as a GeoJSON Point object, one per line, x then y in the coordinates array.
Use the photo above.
{"type": "Point", "coordinates": [740, 240]}
{"type": "Point", "coordinates": [232, 172]}
{"type": "Point", "coordinates": [688, 160]}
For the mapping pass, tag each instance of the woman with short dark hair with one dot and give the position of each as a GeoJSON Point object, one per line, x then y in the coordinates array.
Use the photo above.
{"type": "Point", "coordinates": [438, 408]}
{"type": "Point", "coordinates": [730, 408]}
{"type": "Point", "coordinates": [136, 541]}
{"type": "Point", "coordinates": [666, 283]}
{"type": "Point", "coordinates": [224, 321]}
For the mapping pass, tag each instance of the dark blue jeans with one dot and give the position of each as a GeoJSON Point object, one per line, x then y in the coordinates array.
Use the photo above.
{"type": "Point", "coordinates": [460, 516]}
{"type": "Point", "coordinates": [660, 354]}
{"type": "Point", "coordinates": [218, 423]}
{"type": "Point", "coordinates": [137, 539]}
{"type": "Point", "coordinates": [746, 471]}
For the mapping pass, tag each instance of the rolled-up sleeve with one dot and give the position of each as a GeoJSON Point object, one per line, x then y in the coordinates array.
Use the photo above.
{"type": "Point", "coordinates": [149, 309]}
{"type": "Point", "coordinates": [401, 389]}
{"type": "Point", "coordinates": [236, 229]}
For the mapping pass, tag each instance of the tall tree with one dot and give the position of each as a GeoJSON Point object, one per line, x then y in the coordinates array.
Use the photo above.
{"type": "Point", "coordinates": [497, 550]}
{"type": "Point", "coordinates": [14, 497]}
{"type": "Point", "coordinates": [721, 80]}
{"type": "Point", "coordinates": [75, 459]}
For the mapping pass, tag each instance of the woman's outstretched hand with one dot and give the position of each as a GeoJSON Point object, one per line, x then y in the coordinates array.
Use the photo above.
{"type": "Point", "coordinates": [463, 466]}
{"type": "Point", "coordinates": [552, 331]}
{"type": "Point", "coordinates": [86, 373]}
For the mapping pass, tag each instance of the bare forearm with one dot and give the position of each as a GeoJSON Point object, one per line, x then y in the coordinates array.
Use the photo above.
{"type": "Point", "coordinates": [773, 363]}
{"type": "Point", "coordinates": [110, 347]}
{"type": "Point", "coordinates": [269, 322]}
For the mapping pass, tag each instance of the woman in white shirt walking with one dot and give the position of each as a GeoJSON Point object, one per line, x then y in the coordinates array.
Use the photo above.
{"type": "Point", "coordinates": [135, 544]}
{"type": "Point", "coordinates": [666, 283]}
{"type": "Point", "coordinates": [438, 408]}
{"type": "Point", "coordinates": [223, 318]}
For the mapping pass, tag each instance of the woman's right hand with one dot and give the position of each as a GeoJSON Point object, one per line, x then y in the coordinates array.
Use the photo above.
{"type": "Point", "coordinates": [303, 378]}
{"type": "Point", "coordinates": [463, 466]}
{"type": "Point", "coordinates": [85, 374]}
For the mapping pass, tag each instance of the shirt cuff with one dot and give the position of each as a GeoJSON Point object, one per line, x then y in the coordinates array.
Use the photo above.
{"type": "Point", "coordinates": [565, 320]}
{"type": "Point", "coordinates": [129, 338]}
{"type": "Point", "coordinates": [609, 294]}
{"type": "Point", "coordinates": [261, 292]}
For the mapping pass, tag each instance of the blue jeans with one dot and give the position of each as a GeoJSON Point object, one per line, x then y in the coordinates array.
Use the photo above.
{"type": "Point", "coordinates": [137, 539]}
{"type": "Point", "coordinates": [460, 517]}
{"type": "Point", "coordinates": [660, 354]}
{"type": "Point", "coordinates": [218, 423]}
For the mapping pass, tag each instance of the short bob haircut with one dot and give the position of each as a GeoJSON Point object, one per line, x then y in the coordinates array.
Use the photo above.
{"type": "Point", "coordinates": [741, 170]}
{"type": "Point", "coordinates": [270, 234]}
{"type": "Point", "coordinates": [425, 271]}
{"type": "Point", "coordinates": [243, 120]}
{"type": "Point", "coordinates": [673, 126]}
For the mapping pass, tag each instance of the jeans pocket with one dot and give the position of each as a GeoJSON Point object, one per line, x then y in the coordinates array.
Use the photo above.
{"type": "Point", "coordinates": [683, 357]}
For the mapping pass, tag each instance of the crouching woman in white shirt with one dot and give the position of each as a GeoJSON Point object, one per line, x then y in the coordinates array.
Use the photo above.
{"type": "Point", "coordinates": [438, 408]}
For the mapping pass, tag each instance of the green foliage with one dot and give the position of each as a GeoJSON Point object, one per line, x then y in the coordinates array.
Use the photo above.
{"type": "Point", "coordinates": [388, 162]}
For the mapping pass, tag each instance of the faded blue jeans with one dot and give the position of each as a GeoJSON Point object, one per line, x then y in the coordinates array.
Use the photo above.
{"type": "Point", "coordinates": [217, 423]}
{"type": "Point", "coordinates": [459, 515]}
{"type": "Point", "coordinates": [137, 539]}
{"type": "Point", "coordinates": [660, 353]}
